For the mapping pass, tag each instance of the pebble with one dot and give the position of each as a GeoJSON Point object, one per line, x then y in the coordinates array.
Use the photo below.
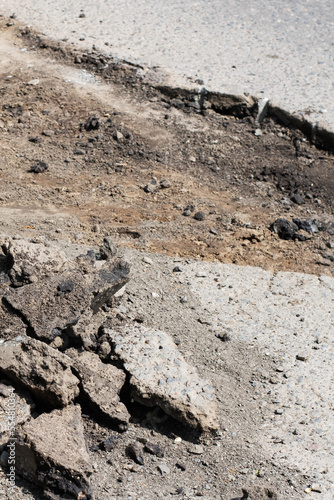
{"type": "Point", "coordinates": [118, 136]}
{"type": "Point", "coordinates": [257, 132]}
{"type": "Point", "coordinates": [196, 449]}
{"type": "Point", "coordinates": [151, 187]}
{"type": "Point", "coordinates": [178, 440]}
{"type": "Point", "coordinates": [155, 295]}
{"type": "Point", "coordinates": [298, 199]}
{"type": "Point", "coordinates": [187, 213]}
{"type": "Point", "coordinates": [177, 269]}
{"type": "Point", "coordinates": [164, 469]}
{"type": "Point", "coordinates": [183, 300]}
{"type": "Point", "coordinates": [39, 167]}
{"type": "Point", "coordinates": [155, 449]}
{"type": "Point", "coordinates": [164, 184]}
{"type": "Point", "coordinates": [201, 274]}
{"type": "Point", "coordinates": [301, 357]}
{"type": "Point", "coordinates": [200, 216]}
{"type": "Point", "coordinates": [316, 487]}
{"type": "Point", "coordinates": [213, 231]}
{"type": "Point", "coordinates": [135, 452]}
{"type": "Point", "coordinates": [147, 260]}
{"type": "Point", "coordinates": [181, 466]}
{"type": "Point", "coordinates": [279, 411]}
{"type": "Point", "coordinates": [223, 336]}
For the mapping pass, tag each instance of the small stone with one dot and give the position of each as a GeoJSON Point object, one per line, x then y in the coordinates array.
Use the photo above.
{"type": "Point", "coordinates": [279, 411]}
{"type": "Point", "coordinates": [201, 274]}
{"type": "Point", "coordinates": [155, 295]}
{"type": "Point", "coordinates": [118, 136]}
{"type": "Point", "coordinates": [186, 213]}
{"type": "Point", "coordinates": [196, 449]}
{"type": "Point", "coordinates": [257, 132]}
{"type": "Point", "coordinates": [151, 187]}
{"type": "Point", "coordinates": [96, 228]}
{"type": "Point", "coordinates": [65, 287]}
{"type": "Point", "coordinates": [110, 443]}
{"type": "Point", "coordinates": [164, 184]}
{"type": "Point", "coordinates": [177, 269]}
{"type": "Point", "coordinates": [224, 337]}
{"type": "Point", "coordinates": [35, 81]}
{"type": "Point", "coordinates": [92, 123]}
{"type": "Point", "coordinates": [39, 167]}
{"type": "Point", "coordinates": [181, 466]}
{"type": "Point", "coordinates": [177, 440]}
{"type": "Point", "coordinates": [308, 490]}
{"type": "Point", "coordinates": [298, 199]}
{"type": "Point", "coordinates": [183, 300]}
{"type": "Point", "coordinates": [213, 231]}
{"type": "Point", "coordinates": [199, 216]}
{"type": "Point", "coordinates": [302, 357]}
{"type": "Point", "coordinates": [147, 260]}
{"type": "Point", "coordinates": [155, 449]}
{"type": "Point", "coordinates": [163, 469]}
{"type": "Point", "coordinates": [48, 133]}
{"type": "Point", "coordinates": [79, 152]}
{"type": "Point", "coordinates": [135, 452]}
{"type": "Point", "coordinates": [316, 487]}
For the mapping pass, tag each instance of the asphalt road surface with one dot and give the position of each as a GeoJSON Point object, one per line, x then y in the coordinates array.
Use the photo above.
{"type": "Point", "coordinates": [279, 49]}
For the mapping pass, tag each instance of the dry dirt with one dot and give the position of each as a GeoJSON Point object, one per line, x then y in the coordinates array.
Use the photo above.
{"type": "Point", "coordinates": [94, 186]}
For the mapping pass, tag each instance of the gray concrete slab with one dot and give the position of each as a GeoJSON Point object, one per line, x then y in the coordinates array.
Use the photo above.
{"type": "Point", "coordinates": [281, 50]}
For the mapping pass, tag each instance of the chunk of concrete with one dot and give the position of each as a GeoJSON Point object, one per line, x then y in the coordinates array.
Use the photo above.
{"type": "Point", "coordinates": [101, 385]}
{"type": "Point", "coordinates": [56, 304]}
{"type": "Point", "coordinates": [45, 372]}
{"type": "Point", "coordinates": [52, 452]}
{"type": "Point", "coordinates": [15, 408]}
{"type": "Point", "coordinates": [159, 375]}
{"type": "Point", "coordinates": [29, 261]}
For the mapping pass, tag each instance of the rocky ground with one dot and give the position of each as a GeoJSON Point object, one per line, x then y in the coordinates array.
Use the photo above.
{"type": "Point", "coordinates": [181, 182]}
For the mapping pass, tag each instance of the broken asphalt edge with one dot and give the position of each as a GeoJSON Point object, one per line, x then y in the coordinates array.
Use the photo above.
{"type": "Point", "coordinates": [222, 103]}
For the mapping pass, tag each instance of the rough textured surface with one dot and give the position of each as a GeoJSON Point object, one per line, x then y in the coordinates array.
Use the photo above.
{"type": "Point", "coordinates": [57, 303]}
{"type": "Point", "coordinates": [51, 450]}
{"type": "Point", "coordinates": [160, 376]}
{"type": "Point", "coordinates": [10, 324]}
{"type": "Point", "coordinates": [43, 370]}
{"type": "Point", "coordinates": [15, 408]}
{"type": "Point", "coordinates": [101, 384]}
{"type": "Point", "coordinates": [30, 261]}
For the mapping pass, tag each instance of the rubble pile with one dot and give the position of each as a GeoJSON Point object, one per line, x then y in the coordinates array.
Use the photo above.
{"type": "Point", "coordinates": [60, 357]}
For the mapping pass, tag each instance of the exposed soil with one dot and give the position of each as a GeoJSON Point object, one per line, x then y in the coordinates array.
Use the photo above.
{"type": "Point", "coordinates": [93, 184]}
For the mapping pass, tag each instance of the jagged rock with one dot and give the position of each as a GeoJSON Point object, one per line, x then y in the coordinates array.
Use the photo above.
{"type": "Point", "coordinates": [45, 372]}
{"type": "Point", "coordinates": [101, 384]}
{"type": "Point", "coordinates": [52, 452]}
{"type": "Point", "coordinates": [160, 376]}
{"type": "Point", "coordinates": [30, 261]}
{"type": "Point", "coordinates": [15, 408]}
{"type": "Point", "coordinates": [108, 249]}
{"type": "Point", "coordinates": [49, 307]}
